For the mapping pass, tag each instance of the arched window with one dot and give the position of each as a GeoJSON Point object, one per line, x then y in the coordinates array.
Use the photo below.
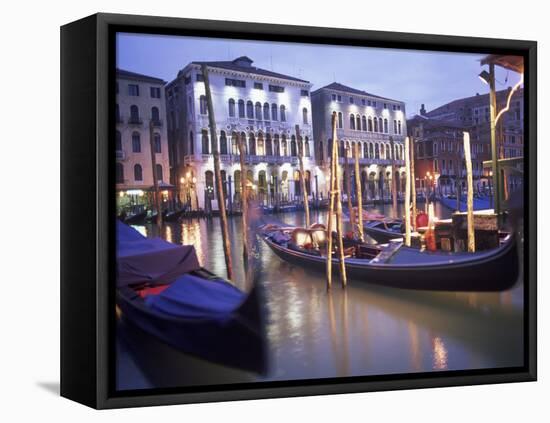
{"type": "Point", "coordinates": [249, 110]}
{"type": "Point", "coordinates": [155, 115]}
{"type": "Point", "coordinates": [274, 112]}
{"type": "Point", "coordinates": [191, 143]}
{"type": "Point", "coordinates": [304, 116]}
{"type": "Point", "coordinates": [276, 149]}
{"type": "Point", "coordinates": [268, 145]}
{"type": "Point", "coordinates": [364, 123]}
{"type": "Point", "coordinates": [205, 142]}
{"type": "Point", "coordinates": [376, 150]}
{"type": "Point", "coordinates": [156, 143]}
{"type": "Point", "coordinates": [241, 108]}
{"type": "Point", "coordinates": [252, 145]}
{"type": "Point", "coordinates": [366, 150]}
{"type": "Point", "coordinates": [231, 107]}
{"type": "Point", "coordinates": [351, 122]}
{"type": "Point", "coordinates": [117, 113]}
{"type": "Point", "coordinates": [388, 155]}
{"type": "Point", "coordinates": [159, 173]}
{"type": "Point", "coordinates": [258, 111]}
{"type": "Point", "coordinates": [306, 148]}
{"type": "Point", "coordinates": [138, 173]}
{"type": "Point", "coordinates": [370, 124]}
{"type": "Point", "coordinates": [234, 144]}
{"type": "Point", "coordinates": [203, 108]}
{"type": "Point", "coordinates": [371, 151]}
{"type": "Point", "coordinates": [386, 130]}
{"type": "Point", "coordinates": [375, 124]}
{"type": "Point", "coordinates": [342, 151]}
{"type": "Point", "coordinates": [136, 142]}
{"type": "Point", "coordinates": [358, 122]}
{"type": "Point", "coordinates": [266, 111]}
{"type": "Point", "coordinates": [134, 114]}
{"type": "Point", "coordinates": [284, 146]}
{"type": "Point", "coordinates": [283, 113]}
{"type": "Point", "coordinates": [261, 145]}
{"type": "Point", "coordinates": [395, 127]}
{"type": "Point", "coordinates": [399, 127]}
{"type": "Point", "coordinates": [119, 173]}
{"type": "Point", "coordinates": [118, 141]}
{"type": "Point", "coordinates": [293, 151]}
{"type": "Point", "coordinates": [340, 120]}
{"type": "Point", "coordinates": [223, 143]}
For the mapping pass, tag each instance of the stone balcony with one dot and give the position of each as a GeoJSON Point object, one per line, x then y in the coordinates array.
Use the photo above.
{"type": "Point", "coordinates": [253, 159]}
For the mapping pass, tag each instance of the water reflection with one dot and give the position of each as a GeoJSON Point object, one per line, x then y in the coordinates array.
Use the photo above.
{"type": "Point", "coordinates": [363, 330]}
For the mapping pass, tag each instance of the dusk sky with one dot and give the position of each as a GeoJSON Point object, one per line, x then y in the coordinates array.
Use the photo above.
{"type": "Point", "coordinates": [415, 77]}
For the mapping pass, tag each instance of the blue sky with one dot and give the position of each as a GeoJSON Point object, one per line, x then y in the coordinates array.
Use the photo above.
{"type": "Point", "coordinates": [415, 77]}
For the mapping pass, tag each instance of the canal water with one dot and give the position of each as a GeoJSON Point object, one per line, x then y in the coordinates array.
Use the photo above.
{"type": "Point", "coordinates": [363, 330]}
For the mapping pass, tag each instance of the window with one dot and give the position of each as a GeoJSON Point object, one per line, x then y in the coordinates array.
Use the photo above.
{"type": "Point", "coordinates": [393, 107]}
{"type": "Point", "coordinates": [364, 123]}
{"type": "Point", "coordinates": [306, 147]}
{"type": "Point", "coordinates": [375, 124]}
{"type": "Point", "coordinates": [333, 97]}
{"type": "Point", "coordinates": [358, 122]}
{"type": "Point", "coordinates": [199, 78]}
{"type": "Point", "coordinates": [134, 114]}
{"type": "Point", "coordinates": [274, 112]}
{"type": "Point", "coordinates": [118, 141]}
{"type": "Point", "coordinates": [399, 126]}
{"type": "Point", "coordinates": [187, 80]}
{"type": "Point", "coordinates": [138, 173]}
{"type": "Point", "coordinates": [223, 143]}
{"type": "Point", "coordinates": [136, 143]}
{"type": "Point", "coordinates": [231, 107]}
{"type": "Point", "coordinates": [436, 166]}
{"type": "Point", "coordinates": [385, 106]}
{"type": "Point", "coordinates": [119, 173]}
{"type": "Point", "coordinates": [352, 122]}
{"type": "Point", "coordinates": [283, 114]}
{"type": "Point", "coordinates": [340, 120]}
{"type": "Point", "coordinates": [252, 145]}
{"type": "Point", "coordinates": [241, 108]}
{"type": "Point", "coordinates": [369, 103]}
{"type": "Point", "coordinates": [395, 127]}
{"type": "Point", "coordinates": [249, 110]}
{"type": "Point", "coordinates": [155, 92]}
{"type": "Point", "coordinates": [157, 143]}
{"type": "Point", "coordinates": [370, 124]}
{"type": "Point", "coordinates": [293, 152]}
{"type": "Point", "coordinates": [258, 111]}
{"type": "Point", "coordinates": [205, 143]}
{"type": "Point", "coordinates": [159, 173]}
{"type": "Point", "coordinates": [276, 89]}
{"type": "Point", "coordinates": [235, 82]}
{"type": "Point", "coordinates": [133, 90]}
{"type": "Point", "coordinates": [268, 145]}
{"type": "Point", "coordinates": [374, 104]}
{"type": "Point", "coordinates": [339, 97]}
{"type": "Point", "coordinates": [304, 116]}
{"type": "Point", "coordinates": [155, 115]}
{"type": "Point", "coordinates": [202, 105]}
{"type": "Point", "coordinates": [363, 102]}
{"type": "Point", "coordinates": [266, 111]}
{"type": "Point", "coordinates": [304, 93]}
{"type": "Point", "coordinates": [351, 100]}
{"type": "Point", "coordinates": [258, 86]}
{"type": "Point", "coordinates": [386, 130]}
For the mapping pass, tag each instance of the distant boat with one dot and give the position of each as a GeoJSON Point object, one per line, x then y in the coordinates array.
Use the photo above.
{"type": "Point", "coordinates": [173, 216]}
{"type": "Point", "coordinates": [398, 266]}
{"type": "Point", "coordinates": [136, 219]}
{"type": "Point", "coordinates": [480, 203]}
{"type": "Point", "coordinates": [162, 289]}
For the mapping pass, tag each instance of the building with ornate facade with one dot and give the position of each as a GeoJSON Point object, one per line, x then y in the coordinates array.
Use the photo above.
{"type": "Point", "coordinates": [140, 115]}
{"type": "Point", "coordinates": [261, 106]}
{"type": "Point", "coordinates": [438, 137]}
{"type": "Point", "coordinates": [377, 124]}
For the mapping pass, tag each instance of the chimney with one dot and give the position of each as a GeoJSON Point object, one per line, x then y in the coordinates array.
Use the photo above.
{"type": "Point", "coordinates": [422, 110]}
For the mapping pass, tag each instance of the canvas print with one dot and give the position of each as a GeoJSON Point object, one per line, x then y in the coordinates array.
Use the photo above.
{"type": "Point", "coordinates": [290, 211]}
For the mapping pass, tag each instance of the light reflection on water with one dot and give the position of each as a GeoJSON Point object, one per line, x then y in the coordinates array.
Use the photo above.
{"type": "Point", "coordinates": [365, 329]}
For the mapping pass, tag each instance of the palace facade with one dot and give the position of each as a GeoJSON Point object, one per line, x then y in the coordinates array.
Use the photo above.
{"type": "Point", "coordinates": [264, 108]}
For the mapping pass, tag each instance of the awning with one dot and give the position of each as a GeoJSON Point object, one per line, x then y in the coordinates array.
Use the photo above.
{"type": "Point", "coordinates": [513, 63]}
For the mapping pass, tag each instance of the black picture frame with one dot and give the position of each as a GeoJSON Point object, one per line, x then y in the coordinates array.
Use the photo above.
{"type": "Point", "coordinates": [87, 231]}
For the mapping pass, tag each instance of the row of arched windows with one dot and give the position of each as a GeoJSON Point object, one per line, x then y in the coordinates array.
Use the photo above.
{"type": "Point", "coordinates": [369, 124]}
{"type": "Point", "coordinates": [257, 111]}
{"type": "Point", "coordinates": [368, 150]}
{"type": "Point", "coordinates": [136, 142]}
{"type": "Point", "coordinates": [138, 173]}
{"type": "Point", "coordinates": [260, 144]}
{"type": "Point", "coordinates": [134, 114]}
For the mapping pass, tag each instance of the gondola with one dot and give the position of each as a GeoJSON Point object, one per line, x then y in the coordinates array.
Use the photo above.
{"type": "Point", "coordinates": [153, 216]}
{"type": "Point", "coordinates": [384, 230]}
{"type": "Point", "coordinates": [396, 265]}
{"type": "Point", "coordinates": [163, 290]}
{"type": "Point", "coordinates": [174, 216]}
{"type": "Point", "coordinates": [136, 219]}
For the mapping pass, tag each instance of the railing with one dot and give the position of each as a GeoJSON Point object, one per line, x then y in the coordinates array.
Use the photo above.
{"type": "Point", "coordinates": [367, 161]}
{"type": "Point", "coordinates": [249, 159]}
{"type": "Point", "coordinates": [120, 155]}
{"type": "Point", "coordinates": [134, 120]}
{"type": "Point", "coordinates": [156, 123]}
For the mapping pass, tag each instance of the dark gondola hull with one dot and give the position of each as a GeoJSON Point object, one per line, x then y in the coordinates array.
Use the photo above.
{"type": "Point", "coordinates": [236, 342]}
{"type": "Point", "coordinates": [497, 270]}
{"type": "Point", "coordinates": [136, 219]}
{"type": "Point", "coordinates": [381, 236]}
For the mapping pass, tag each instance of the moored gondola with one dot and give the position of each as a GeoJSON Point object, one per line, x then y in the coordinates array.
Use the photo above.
{"type": "Point", "coordinates": [162, 289]}
{"type": "Point", "coordinates": [136, 219]}
{"type": "Point", "coordinates": [399, 266]}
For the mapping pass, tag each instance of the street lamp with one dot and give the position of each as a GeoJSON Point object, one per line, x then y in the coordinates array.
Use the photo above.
{"type": "Point", "coordinates": [485, 77]}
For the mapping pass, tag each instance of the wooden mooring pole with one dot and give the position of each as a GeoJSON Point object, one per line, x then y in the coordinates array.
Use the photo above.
{"type": "Point", "coordinates": [217, 173]}
{"type": "Point", "coordinates": [154, 172]}
{"type": "Point", "coordinates": [413, 181]}
{"type": "Point", "coordinates": [393, 179]}
{"type": "Point", "coordinates": [470, 193]}
{"type": "Point", "coordinates": [302, 174]}
{"type": "Point", "coordinates": [359, 191]}
{"type": "Point", "coordinates": [244, 195]}
{"type": "Point", "coordinates": [348, 184]}
{"type": "Point", "coordinates": [407, 194]}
